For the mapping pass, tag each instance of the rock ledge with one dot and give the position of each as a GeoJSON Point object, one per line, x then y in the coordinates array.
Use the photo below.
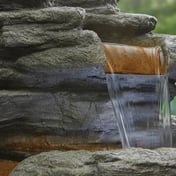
{"type": "Point", "coordinates": [126, 162]}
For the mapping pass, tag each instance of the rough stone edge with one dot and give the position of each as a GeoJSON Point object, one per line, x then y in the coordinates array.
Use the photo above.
{"type": "Point", "coordinates": [128, 161]}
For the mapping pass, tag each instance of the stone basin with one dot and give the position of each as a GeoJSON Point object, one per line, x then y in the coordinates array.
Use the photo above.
{"type": "Point", "coordinates": [134, 161]}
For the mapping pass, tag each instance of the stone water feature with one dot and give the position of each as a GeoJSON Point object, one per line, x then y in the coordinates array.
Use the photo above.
{"type": "Point", "coordinates": [138, 87]}
{"type": "Point", "coordinates": [53, 88]}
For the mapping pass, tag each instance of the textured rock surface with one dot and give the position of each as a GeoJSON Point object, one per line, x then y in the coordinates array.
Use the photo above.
{"type": "Point", "coordinates": [6, 5]}
{"type": "Point", "coordinates": [119, 162]}
{"type": "Point", "coordinates": [72, 117]}
{"type": "Point", "coordinates": [46, 59]}
{"type": "Point", "coordinates": [77, 45]}
{"type": "Point", "coordinates": [73, 79]}
{"type": "Point", "coordinates": [110, 27]}
{"type": "Point", "coordinates": [49, 77]}
{"type": "Point", "coordinates": [101, 6]}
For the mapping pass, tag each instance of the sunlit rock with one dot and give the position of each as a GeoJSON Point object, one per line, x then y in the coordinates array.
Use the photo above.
{"type": "Point", "coordinates": [100, 6]}
{"type": "Point", "coordinates": [110, 163]}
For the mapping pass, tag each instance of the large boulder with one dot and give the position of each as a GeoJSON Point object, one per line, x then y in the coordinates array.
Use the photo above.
{"type": "Point", "coordinates": [7, 5]}
{"type": "Point", "coordinates": [110, 163]}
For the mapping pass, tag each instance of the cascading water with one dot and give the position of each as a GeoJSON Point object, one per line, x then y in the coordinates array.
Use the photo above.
{"type": "Point", "coordinates": [137, 84]}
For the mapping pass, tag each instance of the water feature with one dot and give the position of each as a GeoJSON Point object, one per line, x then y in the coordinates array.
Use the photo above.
{"type": "Point", "coordinates": [137, 84]}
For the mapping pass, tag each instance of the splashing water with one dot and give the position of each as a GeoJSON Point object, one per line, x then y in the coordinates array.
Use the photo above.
{"type": "Point", "coordinates": [137, 84]}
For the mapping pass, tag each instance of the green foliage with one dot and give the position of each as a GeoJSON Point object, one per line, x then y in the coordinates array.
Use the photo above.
{"type": "Point", "coordinates": [173, 106]}
{"type": "Point", "coordinates": [165, 11]}
{"type": "Point", "coordinates": [167, 25]}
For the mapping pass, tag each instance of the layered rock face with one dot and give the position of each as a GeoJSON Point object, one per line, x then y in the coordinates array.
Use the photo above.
{"type": "Point", "coordinates": [53, 91]}
{"type": "Point", "coordinates": [50, 73]}
{"type": "Point", "coordinates": [110, 163]}
{"type": "Point", "coordinates": [101, 6]}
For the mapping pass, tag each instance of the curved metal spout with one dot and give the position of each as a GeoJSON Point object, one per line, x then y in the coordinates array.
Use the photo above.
{"type": "Point", "coordinates": [134, 59]}
{"type": "Point", "coordinates": [138, 88]}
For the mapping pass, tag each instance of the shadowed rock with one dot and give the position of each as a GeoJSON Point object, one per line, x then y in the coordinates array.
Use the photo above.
{"type": "Point", "coordinates": [43, 53]}
{"type": "Point", "coordinates": [100, 6]}
{"type": "Point", "coordinates": [67, 17]}
{"type": "Point", "coordinates": [48, 39]}
{"type": "Point", "coordinates": [73, 79]}
{"type": "Point", "coordinates": [67, 117]}
{"type": "Point", "coordinates": [7, 5]}
{"type": "Point", "coordinates": [60, 58]}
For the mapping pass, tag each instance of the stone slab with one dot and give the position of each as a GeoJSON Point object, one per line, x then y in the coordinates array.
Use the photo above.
{"type": "Point", "coordinates": [135, 161]}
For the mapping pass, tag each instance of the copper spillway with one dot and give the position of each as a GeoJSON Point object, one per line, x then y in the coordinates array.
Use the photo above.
{"type": "Point", "coordinates": [126, 59]}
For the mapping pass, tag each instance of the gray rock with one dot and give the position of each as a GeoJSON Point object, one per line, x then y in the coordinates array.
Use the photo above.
{"type": "Point", "coordinates": [109, 9]}
{"type": "Point", "coordinates": [91, 6]}
{"type": "Point", "coordinates": [7, 5]}
{"type": "Point", "coordinates": [73, 79]}
{"type": "Point", "coordinates": [43, 39]}
{"type": "Point", "coordinates": [171, 45]}
{"type": "Point", "coordinates": [61, 58]}
{"type": "Point", "coordinates": [39, 45]}
{"type": "Point", "coordinates": [40, 37]}
{"type": "Point", "coordinates": [67, 17]}
{"type": "Point", "coordinates": [18, 41]}
{"type": "Point", "coordinates": [45, 56]}
{"type": "Point", "coordinates": [86, 117]}
{"type": "Point", "coordinates": [109, 6]}
{"type": "Point", "coordinates": [115, 26]}
{"type": "Point", "coordinates": [50, 49]}
{"type": "Point", "coordinates": [118, 162]}
{"type": "Point", "coordinates": [41, 50]}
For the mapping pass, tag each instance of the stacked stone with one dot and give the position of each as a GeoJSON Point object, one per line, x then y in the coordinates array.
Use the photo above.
{"type": "Point", "coordinates": [100, 6]}
{"type": "Point", "coordinates": [52, 83]}
{"type": "Point", "coordinates": [53, 91]}
{"type": "Point", "coordinates": [52, 87]}
{"type": "Point", "coordinates": [135, 161]}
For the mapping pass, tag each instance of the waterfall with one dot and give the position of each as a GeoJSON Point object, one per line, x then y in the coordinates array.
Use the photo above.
{"type": "Point", "coordinates": [137, 85]}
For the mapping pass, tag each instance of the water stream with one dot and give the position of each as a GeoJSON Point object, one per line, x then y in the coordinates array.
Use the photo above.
{"type": "Point", "coordinates": [137, 84]}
